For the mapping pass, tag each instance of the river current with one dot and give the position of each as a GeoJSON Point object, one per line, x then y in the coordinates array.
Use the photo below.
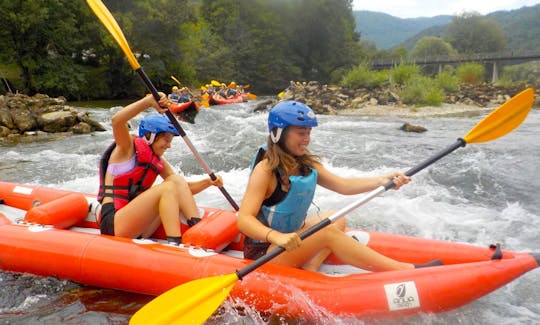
{"type": "Point", "coordinates": [480, 194]}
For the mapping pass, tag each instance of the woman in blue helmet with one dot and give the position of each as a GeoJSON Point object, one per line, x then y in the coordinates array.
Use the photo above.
{"type": "Point", "coordinates": [131, 206]}
{"type": "Point", "coordinates": [281, 188]}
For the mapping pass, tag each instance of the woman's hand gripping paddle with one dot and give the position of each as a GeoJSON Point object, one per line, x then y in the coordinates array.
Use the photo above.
{"type": "Point", "coordinates": [110, 23]}
{"type": "Point", "coordinates": [195, 301]}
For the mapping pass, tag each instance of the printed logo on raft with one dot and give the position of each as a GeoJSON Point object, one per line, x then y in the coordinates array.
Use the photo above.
{"type": "Point", "coordinates": [402, 295]}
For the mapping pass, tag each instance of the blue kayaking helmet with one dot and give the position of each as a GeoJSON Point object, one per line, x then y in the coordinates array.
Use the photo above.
{"type": "Point", "coordinates": [155, 124]}
{"type": "Point", "coordinates": [289, 113]}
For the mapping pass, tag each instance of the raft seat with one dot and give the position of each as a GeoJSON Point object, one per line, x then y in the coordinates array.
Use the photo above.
{"type": "Point", "coordinates": [62, 212]}
{"type": "Point", "coordinates": [215, 231]}
{"type": "Point", "coordinates": [27, 196]}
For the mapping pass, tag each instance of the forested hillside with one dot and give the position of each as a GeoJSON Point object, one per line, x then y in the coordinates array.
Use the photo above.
{"type": "Point", "coordinates": [387, 31]}
{"type": "Point", "coordinates": [521, 28]}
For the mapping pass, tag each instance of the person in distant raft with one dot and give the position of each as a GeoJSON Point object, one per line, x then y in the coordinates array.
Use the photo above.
{"type": "Point", "coordinates": [184, 95]}
{"type": "Point", "coordinates": [131, 206]}
{"type": "Point", "coordinates": [281, 189]}
{"type": "Point", "coordinates": [174, 95]}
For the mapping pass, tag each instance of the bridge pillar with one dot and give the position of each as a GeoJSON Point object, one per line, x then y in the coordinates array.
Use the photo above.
{"type": "Point", "coordinates": [495, 74]}
{"type": "Point", "coordinates": [440, 68]}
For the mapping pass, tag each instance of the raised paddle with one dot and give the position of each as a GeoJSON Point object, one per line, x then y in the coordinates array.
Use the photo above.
{"type": "Point", "coordinates": [177, 81]}
{"type": "Point", "coordinates": [195, 301]}
{"type": "Point", "coordinates": [110, 23]}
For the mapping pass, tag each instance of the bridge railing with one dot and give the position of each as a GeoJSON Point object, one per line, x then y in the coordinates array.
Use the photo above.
{"type": "Point", "coordinates": [475, 57]}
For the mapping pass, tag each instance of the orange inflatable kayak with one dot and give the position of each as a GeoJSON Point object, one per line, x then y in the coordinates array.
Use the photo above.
{"type": "Point", "coordinates": [53, 232]}
{"type": "Point", "coordinates": [218, 100]}
{"type": "Point", "coordinates": [186, 106]}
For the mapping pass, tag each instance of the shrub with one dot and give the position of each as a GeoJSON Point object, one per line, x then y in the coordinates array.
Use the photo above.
{"type": "Point", "coordinates": [403, 73]}
{"type": "Point", "coordinates": [363, 77]}
{"type": "Point", "coordinates": [447, 81]}
{"type": "Point", "coordinates": [421, 91]}
{"type": "Point", "coordinates": [529, 72]}
{"type": "Point", "coordinates": [471, 73]}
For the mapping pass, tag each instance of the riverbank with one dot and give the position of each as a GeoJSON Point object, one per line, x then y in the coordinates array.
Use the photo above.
{"type": "Point", "coordinates": [445, 110]}
{"type": "Point", "coordinates": [336, 100]}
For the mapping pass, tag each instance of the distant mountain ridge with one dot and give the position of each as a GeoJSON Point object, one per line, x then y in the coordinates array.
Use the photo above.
{"type": "Point", "coordinates": [520, 26]}
{"type": "Point", "coordinates": [388, 31]}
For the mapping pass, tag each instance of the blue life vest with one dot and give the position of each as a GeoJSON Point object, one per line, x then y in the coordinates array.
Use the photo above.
{"type": "Point", "coordinates": [184, 98]}
{"type": "Point", "coordinates": [175, 97]}
{"type": "Point", "coordinates": [289, 214]}
{"type": "Point", "coordinates": [231, 93]}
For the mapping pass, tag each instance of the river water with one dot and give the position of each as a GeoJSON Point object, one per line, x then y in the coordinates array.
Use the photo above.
{"type": "Point", "coordinates": [481, 194]}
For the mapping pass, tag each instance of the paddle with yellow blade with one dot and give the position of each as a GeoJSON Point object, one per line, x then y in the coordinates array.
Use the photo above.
{"type": "Point", "coordinates": [180, 84]}
{"type": "Point", "coordinates": [110, 23]}
{"type": "Point", "coordinates": [195, 301]}
{"type": "Point", "coordinates": [249, 95]}
{"type": "Point", "coordinates": [177, 81]}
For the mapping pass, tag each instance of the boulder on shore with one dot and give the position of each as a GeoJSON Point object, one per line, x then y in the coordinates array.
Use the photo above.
{"type": "Point", "coordinates": [331, 99]}
{"type": "Point", "coordinates": [21, 114]}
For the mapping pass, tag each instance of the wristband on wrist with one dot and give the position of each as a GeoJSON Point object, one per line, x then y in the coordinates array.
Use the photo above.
{"type": "Point", "coordinates": [268, 233]}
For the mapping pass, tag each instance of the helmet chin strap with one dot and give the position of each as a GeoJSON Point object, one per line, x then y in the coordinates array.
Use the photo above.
{"type": "Point", "coordinates": [151, 140]}
{"type": "Point", "coordinates": [275, 137]}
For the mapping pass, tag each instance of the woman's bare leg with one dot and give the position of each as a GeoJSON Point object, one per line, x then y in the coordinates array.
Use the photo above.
{"type": "Point", "coordinates": [158, 204]}
{"type": "Point", "coordinates": [344, 247]}
{"type": "Point", "coordinates": [314, 263]}
{"type": "Point", "coordinates": [186, 202]}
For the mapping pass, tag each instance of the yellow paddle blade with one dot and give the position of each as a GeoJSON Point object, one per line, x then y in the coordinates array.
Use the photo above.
{"type": "Point", "coordinates": [215, 83]}
{"type": "Point", "coordinates": [177, 81]}
{"type": "Point", "coordinates": [502, 120]}
{"type": "Point", "coordinates": [190, 303]}
{"type": "Point", "coordinates": [280, 95]}
{"type": "Point", "coordinates": [112, 26]}
{"type": "Point", "coordinates": [251, 96]}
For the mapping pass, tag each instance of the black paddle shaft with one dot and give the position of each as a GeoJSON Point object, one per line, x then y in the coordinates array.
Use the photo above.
{"type": "Point", "coordinates": [459, 143]}
{"type": "Point", "coordinates": [150, 86]}
{"type": "Point", "coordinates": [327, 221]}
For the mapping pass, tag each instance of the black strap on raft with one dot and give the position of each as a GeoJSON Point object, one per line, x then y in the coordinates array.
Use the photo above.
{"type": "Point", "coordinates": [497, 255]}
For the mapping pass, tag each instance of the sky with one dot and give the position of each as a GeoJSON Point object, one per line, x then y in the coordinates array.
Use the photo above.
{"type": "Point", "coordinates": [430, 8]}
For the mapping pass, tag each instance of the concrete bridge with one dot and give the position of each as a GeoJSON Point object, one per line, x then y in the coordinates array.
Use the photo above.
{"type": "Point", "coordinates": [496, 59]}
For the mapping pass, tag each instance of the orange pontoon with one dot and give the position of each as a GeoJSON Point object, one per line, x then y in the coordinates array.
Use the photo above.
{"type": "Point", "coordinates": [52, 232]}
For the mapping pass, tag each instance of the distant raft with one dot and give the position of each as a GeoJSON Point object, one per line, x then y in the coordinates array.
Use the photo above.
{"type": "Point", "coordinates": [184, 107]}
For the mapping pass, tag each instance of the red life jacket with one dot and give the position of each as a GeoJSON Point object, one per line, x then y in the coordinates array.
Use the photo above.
{"type": "Point", "coordinates": [127, 186]}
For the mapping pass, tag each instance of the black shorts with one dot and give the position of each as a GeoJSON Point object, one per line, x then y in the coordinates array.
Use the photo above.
{"type": "Point", "coordinates": [254, 249]}
{"type": "Point", "coordinates": [106, 223]}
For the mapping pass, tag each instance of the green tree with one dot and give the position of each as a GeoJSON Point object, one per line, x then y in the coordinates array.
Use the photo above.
{"type": "Point", "coordinates": [272, 42]}
{"type": "Point", "coordinates": [37, 36]}
{"type": "Point", "coordinates": [432, 47]}
{"type": "Point", "coordinates": [471, 33]}
{"type": "Point", "coordinates": [398, 55]}
{"type": "Point", "coordinates": [320, 30]}
{"type": "Point", "coordinates": [156, 30]}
